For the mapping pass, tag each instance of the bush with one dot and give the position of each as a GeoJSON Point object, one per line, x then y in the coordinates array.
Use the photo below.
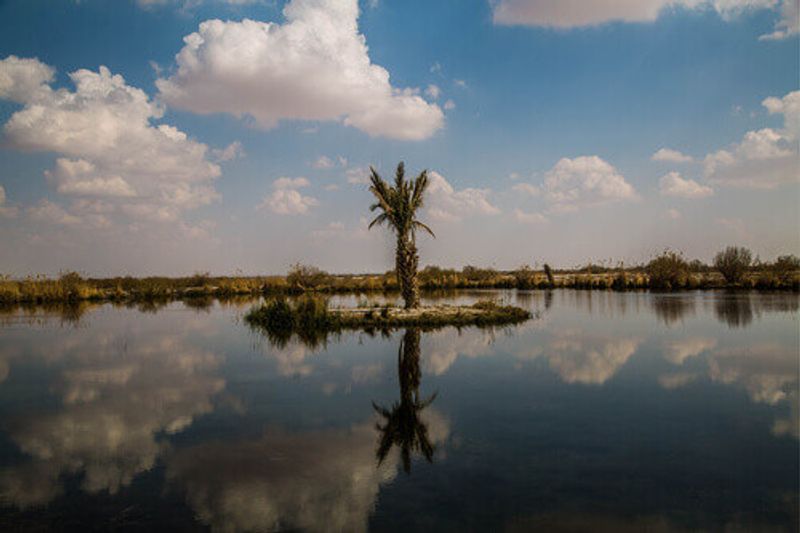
{"type": "Point", "coordinates": [668, 271]}
{"type": "Point", "coordinates": [733, 263]}
{"type": "Point", "coordinates": [524, 277]}
{"type": "Point", "coordinates": [302, 277]}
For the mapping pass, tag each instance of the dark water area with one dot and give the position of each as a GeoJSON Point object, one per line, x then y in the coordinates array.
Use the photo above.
{"type": "Point", "coordinates": [607, 412]}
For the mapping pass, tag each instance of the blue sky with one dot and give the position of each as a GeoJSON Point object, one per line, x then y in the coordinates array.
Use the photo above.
{"type": "Point", "coordinates": [211, 140]}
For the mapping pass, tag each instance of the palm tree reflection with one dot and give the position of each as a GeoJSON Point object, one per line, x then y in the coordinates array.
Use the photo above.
{"type": "Point", "coordinates": [402, 425]}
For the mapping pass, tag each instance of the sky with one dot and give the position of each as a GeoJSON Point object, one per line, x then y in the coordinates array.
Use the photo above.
{"type": "Point", "coordinates": [167, 137]}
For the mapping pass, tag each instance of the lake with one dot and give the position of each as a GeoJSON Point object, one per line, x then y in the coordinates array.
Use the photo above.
{"type": "Point", "coordinates": [607, 411]}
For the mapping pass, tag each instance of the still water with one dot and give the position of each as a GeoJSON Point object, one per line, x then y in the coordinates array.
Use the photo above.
{"type": "Point", "coordinates": [608, 411]}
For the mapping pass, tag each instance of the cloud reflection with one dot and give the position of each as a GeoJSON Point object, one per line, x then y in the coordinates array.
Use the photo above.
{"type": "Point", "coordinates": [115, 399]}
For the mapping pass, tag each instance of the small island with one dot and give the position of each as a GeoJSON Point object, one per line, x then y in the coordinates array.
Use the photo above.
{"type": "Point", "coordinates": [397, 206]}
{"type": "Point", "coordinates": [312, 314]}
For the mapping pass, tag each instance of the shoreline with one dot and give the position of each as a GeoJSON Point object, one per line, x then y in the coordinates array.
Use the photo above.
{"type": "Point", "coordinates": [72, 288]}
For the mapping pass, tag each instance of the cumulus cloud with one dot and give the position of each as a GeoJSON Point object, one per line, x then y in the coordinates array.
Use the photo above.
{"type": "Point", "coordinates": [287, 200]}
{"type": "Point", "coordinates": [526, 188]}
{"type": "Point", "coordinates": [108, 145]}
{"type": "Point", "coordinates": [566, 14]}
{"type": "Point", "coordinates": [315, 66]}
{"type": "Point", "coordinates": [235, 150]}
{"type": "Point", "coordinates": [583, 182]}
{"type": "Point", "coordinates": [673, 184]}
{"type": "Point", "coordinates": [789, 23]}
{"type": "Point", "coordinates": [445, 203]}
{"type": "Point", "coordinates": [6, 211]}
{"type": "Point", "coordinates": [671, 156]}
{"type": "Point", "coordinates": [764, 158]}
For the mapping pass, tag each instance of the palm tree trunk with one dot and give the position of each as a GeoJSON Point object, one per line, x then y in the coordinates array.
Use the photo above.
{"type": "Point", "coordinates": [406, 261]}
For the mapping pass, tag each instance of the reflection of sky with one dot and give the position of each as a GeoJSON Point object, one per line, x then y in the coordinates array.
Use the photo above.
{"type": "Point", "coordinates": [251, 436]}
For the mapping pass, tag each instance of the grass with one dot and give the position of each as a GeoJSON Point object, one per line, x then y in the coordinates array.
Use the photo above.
{"type": "Point", "coordinates": [311, 319]}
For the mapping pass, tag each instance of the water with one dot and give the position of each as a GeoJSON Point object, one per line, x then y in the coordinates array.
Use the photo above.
{"type": "Point", "coordinates": [615, 411]}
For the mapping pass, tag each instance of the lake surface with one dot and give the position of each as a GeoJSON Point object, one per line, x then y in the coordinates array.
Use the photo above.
{"type": "Point", "coordinates": [609, 411]}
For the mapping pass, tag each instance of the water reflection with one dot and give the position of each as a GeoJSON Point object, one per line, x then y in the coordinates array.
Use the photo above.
{"type": "Point", "coordinates": [319, 480]}
{"type": "Point", "coordinates": [114, 397]}
{"type": "Point", "coordinates": [735, 310]}
{"type": "Point", "coordinates": [614, 409]}
{"type": "Point", "coordinates": [671, 308]}
{"type": "Point", "coordinates": [402, 425]}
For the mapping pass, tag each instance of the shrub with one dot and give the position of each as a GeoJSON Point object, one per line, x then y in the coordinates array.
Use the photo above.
{"type": "Point", "coordinates": [301, 277]}
{"type": "Point", "coordinates": [668, 270]}
{"type": "Point", "coordinates": [733, 263]}
{"type": "Point", "coordinates": [524, 277]}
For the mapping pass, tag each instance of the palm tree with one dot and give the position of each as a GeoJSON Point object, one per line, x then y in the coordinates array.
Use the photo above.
{"type": "Point", "coordinates": [402, 424]}
{"type": "Point", "coordinates": [398, 205]}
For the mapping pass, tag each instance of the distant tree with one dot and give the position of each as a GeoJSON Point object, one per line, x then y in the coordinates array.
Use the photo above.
{"type": "Point", "coordinates": [668, 270]}
{"type": "Point", "coordinates": [733, 262]}
{"type": "Point", "coordinates": [398, 206]}
{"type": "Point", "coordinates": [549, 273]}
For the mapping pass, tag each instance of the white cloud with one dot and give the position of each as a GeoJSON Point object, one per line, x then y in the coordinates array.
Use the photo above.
{"type": "Point", "coordinates": [229, 153]}
{"type": "Point", "coordinates": [290, 183]}
{"type": "Point", "coordinates": [764, 158]}
{"type": "Point", "coordinates": [673, 214]}
{"type": "Point", "coordinates": [566, 14]}
{"type": "Point", "coordinates": [323, 162]}
{"type": "Point", "coordinates": [315, 66]}
{"type": "Point", "coordinates": [108, 145]}
{"type": "Point", "coordinates": [47, 211]}
{"type": "Point", "coordinates": [584, 181]}
{"type": "Point", "coordinates": [357, 176]}
{"type": "Point", "coordinates": [526, 188]}
{"type": "Point", "coordinates": [23, 80]}
{"type": "Point", "coordinates": [449, 105]}
{"type": "Point", "coordinates": [529, 218]}
{"type": "Point", "coordinates": [287, 200]}
{"type": "Point", "coordinates": [673, 184]}
{"type": "Point", "coordinates": [789, 23]}
{"type": "Point", "coordinates": [433, 91]}
{"type": "Point", "coordinates": [5, 210]}
{"type": "Point", "coordinates": [671, 156]}
{"type": "Point", "coordinates": [445, 203]}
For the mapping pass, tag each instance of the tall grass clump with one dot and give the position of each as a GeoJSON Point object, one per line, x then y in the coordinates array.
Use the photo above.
{"type": "Point", "coordinates": [733, 263]}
